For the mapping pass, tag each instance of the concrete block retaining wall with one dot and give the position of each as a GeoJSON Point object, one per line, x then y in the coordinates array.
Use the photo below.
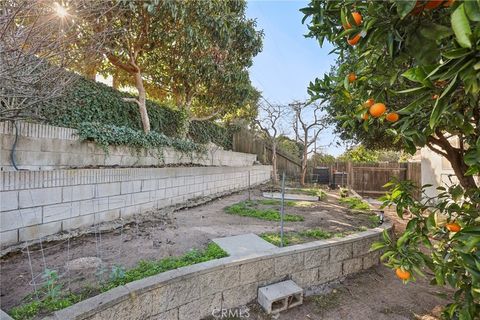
{"type": "Point", "coordinates": [44, 147]}
{"type": "Point", "coordinates": [35, 204]}
{"type": "Point", "coordinates": [195, 291]}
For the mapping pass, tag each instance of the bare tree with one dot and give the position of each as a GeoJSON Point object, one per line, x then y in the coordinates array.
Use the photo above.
{"type": "Point", "coordinates": [269, 121]}
{"type": "Point", "coordinates": [36, 38]}
{"type": "Point", "coordinates": [306, 131]}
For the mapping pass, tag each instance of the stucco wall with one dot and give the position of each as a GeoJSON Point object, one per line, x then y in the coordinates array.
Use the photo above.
{"type": "Point", "coordinates": [34, 204]}
{"type": "Point", "coordinates": [193, 292]}
{"type": "Point", "coordinates": [44, 147]}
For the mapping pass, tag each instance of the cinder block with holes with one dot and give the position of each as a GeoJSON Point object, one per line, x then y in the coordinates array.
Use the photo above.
{"type": "Point", "coordinates": [280, 296]}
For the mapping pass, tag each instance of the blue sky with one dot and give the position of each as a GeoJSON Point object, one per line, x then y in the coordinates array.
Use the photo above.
{"type": "Point", "coordinates": [289, 61]}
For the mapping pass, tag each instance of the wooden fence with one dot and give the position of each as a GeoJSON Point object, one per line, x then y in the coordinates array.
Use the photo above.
{"type": "Point", "coordinates": [245, 141]}
{"type": "Point", "coordinates": [367, 179]}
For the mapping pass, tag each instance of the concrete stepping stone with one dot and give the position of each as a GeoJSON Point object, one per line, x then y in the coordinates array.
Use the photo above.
{"type": "Point", "coordinates": [288, 196]}
{"type": "Point", "coordinates": [243, 245]}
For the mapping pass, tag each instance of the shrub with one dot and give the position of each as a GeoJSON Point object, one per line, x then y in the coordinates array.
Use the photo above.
{"type": "Point", "coordinates": [106, 135]}
{"type": "Point", "coordinates": [89, 101]}
{"type": "Point", "coordinates": [444, 236]}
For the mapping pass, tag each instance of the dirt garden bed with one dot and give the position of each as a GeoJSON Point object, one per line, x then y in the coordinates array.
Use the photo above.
{"type": "Point", "coordinates": [105, 257]}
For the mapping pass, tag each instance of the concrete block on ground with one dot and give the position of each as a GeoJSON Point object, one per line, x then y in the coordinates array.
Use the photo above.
{"type": "Point", "coordinates": [280, 296]}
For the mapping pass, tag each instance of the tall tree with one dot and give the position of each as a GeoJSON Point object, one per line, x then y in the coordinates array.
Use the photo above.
{"type": "Point", "coordinates": [269, 121]}
{"type": "Point", "coordinates": [204, 66]}
{"type": "Point", "coordinates": [34, 42]}
{"type": "Point", "coordinates": [411, 70]}
{"type": "Point", "coordinates": [306, 131]}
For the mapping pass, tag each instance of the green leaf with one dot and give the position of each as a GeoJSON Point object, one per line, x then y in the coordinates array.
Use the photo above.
{"type": "Point", "coordinates": [436, 112]}
{"type": "Point", "coordinates": [472, 8]}
{"type": "Point", "coordinates": [456, 53]}
{"type": "Point", "coordinates": [410, 90]}
{"type": "Point", "coordinates": [404, 7]}
{"type": "Point", "coordinates": [435, 31]}
{"type": "Point", "coordinates": [461, 27]}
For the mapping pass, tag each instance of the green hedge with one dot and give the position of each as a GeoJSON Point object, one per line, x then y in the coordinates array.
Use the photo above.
{"type": "Point", "coordinates": [89, 101]}
{"type": "Point", "coordinates": [105, 135]}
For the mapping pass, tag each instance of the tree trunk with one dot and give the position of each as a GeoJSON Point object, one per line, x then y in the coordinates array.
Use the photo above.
{"type": "Point", "coordinates": [142, 101]}
{"type": "Point", "coordinates": [456, 159]}
{"type": "Point", "coordinates": [115, 81]}
{"type": "Point", "coordinates": [91, 72]}
{"type": "Point", "coordinates": [459, 167]}
{"type": "Point", "coordinates": [274, 162]}
{"type": "Point", "coordinates": [304, 167]}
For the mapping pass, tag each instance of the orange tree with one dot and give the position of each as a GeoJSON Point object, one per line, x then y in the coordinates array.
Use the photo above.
{"type": "Point", "coordinates": [416, 67]}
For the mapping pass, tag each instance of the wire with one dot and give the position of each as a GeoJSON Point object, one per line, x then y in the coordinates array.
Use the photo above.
{"type": "Point", "coordinates": [12, 153]}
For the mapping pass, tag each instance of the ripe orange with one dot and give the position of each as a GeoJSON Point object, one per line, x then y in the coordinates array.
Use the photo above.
{"type": "Point", "coordinates": [377, 109]}
{"type": "Point", "coordinates": [402, 274]}
{"type": "Point", "coordinates": [357, 17]}
{"type": "Point", "coordinates": [392, 117]}
{"type": "Point", "coordinates": [453, 227]}
{"type": "Point", "coordinates": [352, 77]}
{"type": "Point", "coordinates": [448, 3]}
{"type": "Point", "coordinates": [432, 4]}
{"type": "Point", "coordinates": [368, 103]}
{"type": "Point", "coordinates": [365, 116]}
{"type": "Point", "coordinates": [353, 41]}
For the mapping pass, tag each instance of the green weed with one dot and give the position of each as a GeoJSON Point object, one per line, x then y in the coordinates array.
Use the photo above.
{"type": "Point", "coordinates": [355, 203]}
{"type": "Point", "coordinates": [250, 209]}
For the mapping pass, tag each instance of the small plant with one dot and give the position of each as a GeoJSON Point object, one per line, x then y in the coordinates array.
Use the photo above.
{"type": "Point", "coordinates": [343, 192]}
{"type": "Point", "coordinates": [149, 268]}
{"type": "Point", "coordinates": [296, 237]}
{"type": "Point", "coordinates": [51, 286]}
{"type": "Point", "coordinates": [117, 272]}
{"type": "Point", "coordinates": [249, 209]}
{"type": "Point", "coordinates": [375, 221]}
{"type": "Point", "coordinates": [355, 203]}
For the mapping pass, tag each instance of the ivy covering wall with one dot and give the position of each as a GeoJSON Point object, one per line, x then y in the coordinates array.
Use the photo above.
{"type": "Point", "coordinates": [92, 102]}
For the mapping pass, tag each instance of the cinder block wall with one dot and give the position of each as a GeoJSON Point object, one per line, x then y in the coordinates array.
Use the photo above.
{"type": "Point", "coordinates": [44, 147]}
{"type": "Point", "coordinates": [194, 292]}
{"type": "Point", "coordinates": [35, 204]}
